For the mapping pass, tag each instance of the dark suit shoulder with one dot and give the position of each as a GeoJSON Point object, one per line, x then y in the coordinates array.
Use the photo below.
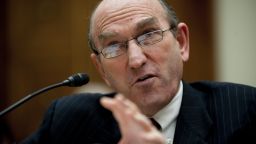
{"type": "Point", "coordinates": [81, 101]}
{"type": "Point", "coordinates": [76, 105]}
{"type": "Point", "coordinates": [78, 118]}
{"type": "Point", "coordinates": [81, 119]}
{"type": "Point", "coordinates": [211, 86]}
{"type": "Point", "coordinates": [228, 98]}
{"type": "Point", "coordinates": [232, 108]}
{"type": "Point", "coordinates": [78, 108]}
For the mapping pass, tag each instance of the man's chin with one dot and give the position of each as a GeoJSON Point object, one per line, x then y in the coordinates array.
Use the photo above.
{"type": "Point", "coordinates": [143, 98]}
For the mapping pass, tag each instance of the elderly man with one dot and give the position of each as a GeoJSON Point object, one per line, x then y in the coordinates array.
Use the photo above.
{"type": "Point", "coordinates": [139, 48]}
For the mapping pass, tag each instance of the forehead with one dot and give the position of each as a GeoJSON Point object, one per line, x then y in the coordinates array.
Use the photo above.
{"type": "Point", "coordinates": [139, 25]}
{"type": "Point", "coordinates": [115, 5]}
{"type": "Point", "coordinates": [111, 12]}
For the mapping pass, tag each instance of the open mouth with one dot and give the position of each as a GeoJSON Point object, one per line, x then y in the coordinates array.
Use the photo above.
{"type": "Point", "coordinates": [145, 77]}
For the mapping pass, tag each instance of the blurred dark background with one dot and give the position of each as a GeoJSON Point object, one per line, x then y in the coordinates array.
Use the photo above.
{"type": "Point", "coordinates": [44, 41]}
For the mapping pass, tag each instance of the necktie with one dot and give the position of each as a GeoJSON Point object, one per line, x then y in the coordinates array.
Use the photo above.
{"type": "Point", "coordinates": [156, 124]}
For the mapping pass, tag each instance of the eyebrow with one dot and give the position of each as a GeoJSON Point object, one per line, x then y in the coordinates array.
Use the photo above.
{"type": "Point", "coordinates": [145, 22]}
{"type": "Point", "coordinates": [140, 25]}
{"type": "Point", "coordinates": [105, 35]}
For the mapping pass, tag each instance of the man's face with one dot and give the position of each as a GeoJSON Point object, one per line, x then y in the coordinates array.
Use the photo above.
{"type": "Point", "coordinates": [149, 75]}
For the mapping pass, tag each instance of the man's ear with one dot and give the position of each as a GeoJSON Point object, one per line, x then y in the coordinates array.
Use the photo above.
{"type": "Point", "coordinates": [183, 40]}
{"type": "Point", "coordinates": [97, 63]}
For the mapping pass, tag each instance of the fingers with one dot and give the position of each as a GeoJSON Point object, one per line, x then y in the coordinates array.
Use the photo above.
{"type": "Point", "coordinates": [134, 126]}
{"type": "Point", "coordinates": [124, 110]}
{"type": "Point", "coordinates": [116, 107]}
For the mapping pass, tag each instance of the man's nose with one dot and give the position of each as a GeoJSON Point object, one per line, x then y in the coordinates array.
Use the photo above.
{"type": "Point", "coordinates": [136, 55]}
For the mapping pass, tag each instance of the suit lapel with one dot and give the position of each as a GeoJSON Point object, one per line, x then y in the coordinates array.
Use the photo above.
{"type": "Point", "coordinates": [193, 123]}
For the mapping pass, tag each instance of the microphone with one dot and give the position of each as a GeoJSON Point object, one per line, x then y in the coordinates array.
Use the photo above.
{"type": "Point", "coordinates": [75, 80]}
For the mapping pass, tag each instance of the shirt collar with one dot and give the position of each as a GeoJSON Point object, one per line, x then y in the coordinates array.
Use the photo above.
{"type": "Point", "coordinates": [169, 113]}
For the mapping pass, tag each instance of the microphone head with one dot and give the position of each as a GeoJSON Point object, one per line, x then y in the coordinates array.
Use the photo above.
{"type": "Point", "coordinates": [78, 79]}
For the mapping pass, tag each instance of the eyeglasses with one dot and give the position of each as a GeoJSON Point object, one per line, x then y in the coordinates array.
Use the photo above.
{"type": "Point", "coordinates": [143, 40]}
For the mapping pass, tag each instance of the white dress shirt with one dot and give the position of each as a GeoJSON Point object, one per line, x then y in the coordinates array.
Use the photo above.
{"type": "Point", "coordinates": [167, 116]}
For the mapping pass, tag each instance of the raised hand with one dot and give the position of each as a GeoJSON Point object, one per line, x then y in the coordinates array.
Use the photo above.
{"type": "Point", "coordinates": [135, 127]}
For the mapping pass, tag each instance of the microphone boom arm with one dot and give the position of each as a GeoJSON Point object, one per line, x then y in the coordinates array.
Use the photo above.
{"type": "Point", "coordinates": [72, 81]}
{"type": "Point", "coordinates": [28, 97]}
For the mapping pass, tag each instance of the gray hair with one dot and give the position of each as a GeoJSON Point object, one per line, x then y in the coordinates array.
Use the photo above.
{"type": "Point", "coordinates": [170, 15]}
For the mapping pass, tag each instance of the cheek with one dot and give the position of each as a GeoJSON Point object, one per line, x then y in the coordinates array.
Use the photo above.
{"type": "Point", "coordinates": [115, 73]}
{"type": "Point", "coordinates": [169, 59]}
{"type": "Point", "coordinates": [167, 52]}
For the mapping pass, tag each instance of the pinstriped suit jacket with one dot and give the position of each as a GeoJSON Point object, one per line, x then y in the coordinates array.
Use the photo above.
{"type": "Point", "coordinates": [212, 113]}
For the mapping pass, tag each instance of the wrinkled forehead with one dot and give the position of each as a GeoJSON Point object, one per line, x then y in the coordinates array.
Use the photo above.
{"type": "Point", "coordinates": [107, 8]}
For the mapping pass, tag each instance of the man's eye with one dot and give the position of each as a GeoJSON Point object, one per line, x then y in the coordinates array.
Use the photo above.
{"type": "Point", "coordinates": [112, 48]}
{"type": "Point", "coordinates": [145, 36]}
{"type": "Point", "coordinates": [149, 34]}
